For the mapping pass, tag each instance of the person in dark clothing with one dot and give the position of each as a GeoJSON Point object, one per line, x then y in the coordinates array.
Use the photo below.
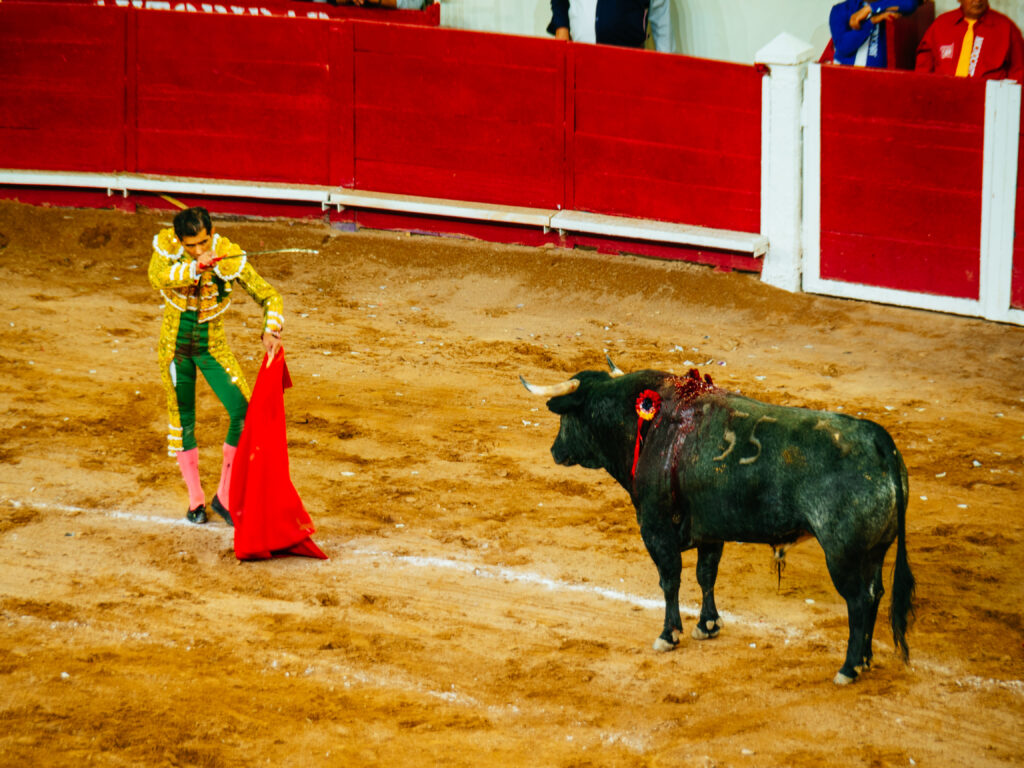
{"type": "Point", "coordinates": [613, 22]}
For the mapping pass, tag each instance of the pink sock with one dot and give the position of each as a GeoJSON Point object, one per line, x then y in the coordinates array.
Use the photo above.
{"type": "Point", "coordinates": [225, 474]}
{"type": "Point", "coordinates": [188, 461]}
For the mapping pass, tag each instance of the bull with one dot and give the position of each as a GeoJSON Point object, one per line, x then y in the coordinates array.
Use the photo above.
{"type": "Point", "coordinates": [703, 466]}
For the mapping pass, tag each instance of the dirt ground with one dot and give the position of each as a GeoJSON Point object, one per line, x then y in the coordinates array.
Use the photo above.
{"type": "Point", "coordinates": [481, 606]}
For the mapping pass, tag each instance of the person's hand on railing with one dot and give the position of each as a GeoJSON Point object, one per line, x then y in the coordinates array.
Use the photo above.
{"type": "Point", "coordinates": [865, 13]}
{"type": "Point", "coordinates": [890, 14]}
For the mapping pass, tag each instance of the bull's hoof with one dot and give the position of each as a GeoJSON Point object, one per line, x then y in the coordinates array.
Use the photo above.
{"type": "Point", "coordinates": [841, 679]}
{"type": "Point", "coordinates": [661, 645]}
{"type": "Point", "coordinates": [709, 630]}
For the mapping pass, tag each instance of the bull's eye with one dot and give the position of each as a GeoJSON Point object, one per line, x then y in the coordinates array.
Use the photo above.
{"type": "Point", "coordinates": [647, 404]}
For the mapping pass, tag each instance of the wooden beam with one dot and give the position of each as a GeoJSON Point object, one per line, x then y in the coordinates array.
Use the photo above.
{"type": "Point", "coordinates": [433, 206]}
{"type": "Point", "coordinates": [660, 231]}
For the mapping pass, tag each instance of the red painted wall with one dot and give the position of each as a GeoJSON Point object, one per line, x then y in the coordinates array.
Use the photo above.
{"type": "Point", "coordinates": [387, 107]}
{"type": "Point", "coordinates": [459, 115]}
{"type": "Point", "coordinates": [62, 76]}
{"type": "Point", "coordinates": [237, 97]}
{"type": "Point", "coordinates": [1017, 281]}
{"type": "Point", "coordinates": [665, 137]}
{"type": "Point", "coordinates": [429, 16]}
{"type": "Point", "coordinates": [901, 180]}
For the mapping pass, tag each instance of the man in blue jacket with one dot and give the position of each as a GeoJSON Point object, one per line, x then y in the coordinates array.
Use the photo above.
{"type": "Point", "coordinates": [613, 22]}
{"type": "Point", "coordinates": [858, 29]}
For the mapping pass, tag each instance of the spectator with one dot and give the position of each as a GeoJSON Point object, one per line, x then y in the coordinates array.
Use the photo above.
{"type": "Point", "coordinates": [974, 41]}
{"type": "Point", "coordinates": [858, 30]}
{"type": "Point", "coordinates": [613, 22]}
{"type": "Point", "coordinates": [194, 269]}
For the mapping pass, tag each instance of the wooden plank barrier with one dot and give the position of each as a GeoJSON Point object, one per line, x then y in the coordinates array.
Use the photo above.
{"type": "Point", "coordinates": [62, 100]}
{"type": "Point", "coordinates": [657, 136]}
{"type": "Point", "coordinates": [508, 131]}
{"type": "Point", "coordinates": [1017, 279]}
{"type": "Point", "coordinates": [429, 16]}
{"type": "Point", "coordinates": [459, 115]}
{"type": "Point", "coordinates": [237, 97]}
{"type": "Point", "coordinates": [901, 176]}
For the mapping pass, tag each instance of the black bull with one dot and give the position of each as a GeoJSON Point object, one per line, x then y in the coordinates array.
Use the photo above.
{"type": "Point", "coordinates": [713, 466]}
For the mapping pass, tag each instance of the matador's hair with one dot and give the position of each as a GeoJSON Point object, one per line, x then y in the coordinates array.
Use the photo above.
{"type": "Point", "coordinates": [191, 222]}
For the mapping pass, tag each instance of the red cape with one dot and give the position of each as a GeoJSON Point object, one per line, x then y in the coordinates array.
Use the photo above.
{"type": "Point", "coordinates": [270, 520]}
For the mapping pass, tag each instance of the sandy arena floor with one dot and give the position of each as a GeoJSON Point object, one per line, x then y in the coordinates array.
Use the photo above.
{"type": "Point", "coordinates": [481, 606]}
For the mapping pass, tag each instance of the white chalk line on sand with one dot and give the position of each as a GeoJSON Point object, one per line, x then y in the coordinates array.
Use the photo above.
{"type": "Point", "coordinates": [526, 577]}
{"type": "Point", "coordinates": [439, 563]}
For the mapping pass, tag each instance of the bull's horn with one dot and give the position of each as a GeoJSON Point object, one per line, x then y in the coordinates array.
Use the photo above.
{"type": "Point", "coordinates": [615, 370]}
{"type": "Point", "coordinates": [552, 390]}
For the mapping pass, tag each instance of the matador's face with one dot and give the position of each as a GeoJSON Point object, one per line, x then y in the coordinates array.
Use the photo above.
{"type": "Point", "coordinates": [198, 244]}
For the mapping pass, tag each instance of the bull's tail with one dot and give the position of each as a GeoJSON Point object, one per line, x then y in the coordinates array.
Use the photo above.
{"type": "Point", "coordinates": [901, 611]}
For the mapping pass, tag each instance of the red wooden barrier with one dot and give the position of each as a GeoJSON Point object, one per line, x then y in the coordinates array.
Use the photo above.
{"type": "Point", "coordinates": [62, 87]}
{"type": "Point", "coordinates": [429, 16]}
{"type": "Point", "coordinates": [237, 97]}
{"type": "Point", "coordinates": [666, 137]}
{"type": "Point", "coordinates": [901, 180]}
{"type": "Point", "coordinates": [459, 115]}
{"type": "Point", "coordinates": [341, 120]}
{"type": "Point", "coordinates": [1017, 281]}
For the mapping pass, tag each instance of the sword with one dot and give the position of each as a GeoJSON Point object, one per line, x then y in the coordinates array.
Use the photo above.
{"type": "Point", "coordinates": [282, 250]}
{"type": "Point", "coordinates": [260, 253]}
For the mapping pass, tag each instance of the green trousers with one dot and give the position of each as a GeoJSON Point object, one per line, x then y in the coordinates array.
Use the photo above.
{"type": "Point", "coordinates": [192, 352]}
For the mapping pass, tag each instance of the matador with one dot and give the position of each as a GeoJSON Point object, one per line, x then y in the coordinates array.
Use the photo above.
{"type": "Point", "coordinates": [195, 270]}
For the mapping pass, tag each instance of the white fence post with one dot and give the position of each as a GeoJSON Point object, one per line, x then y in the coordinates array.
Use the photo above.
{"type": "Point", "coordinates": [999, 198]}
{"type": "Point", "coordinates": [781, 157]}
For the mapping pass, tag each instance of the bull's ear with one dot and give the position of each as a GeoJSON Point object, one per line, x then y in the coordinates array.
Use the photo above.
{"type": "Point", "coordinates": [564, 404]}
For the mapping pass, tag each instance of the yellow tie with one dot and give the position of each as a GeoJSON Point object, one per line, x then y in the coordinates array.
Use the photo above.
{"type": "Point", "coordinates": [963, 65]}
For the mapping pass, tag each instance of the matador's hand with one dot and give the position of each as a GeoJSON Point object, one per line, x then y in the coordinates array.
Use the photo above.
{"type": "Point", "coordinates": [272, 343]}
{"type": "Point", "coordinates": [207, 259]}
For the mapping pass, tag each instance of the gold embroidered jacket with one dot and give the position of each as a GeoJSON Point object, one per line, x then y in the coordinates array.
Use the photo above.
{"type": "Point", "coordinates": [175, 274]}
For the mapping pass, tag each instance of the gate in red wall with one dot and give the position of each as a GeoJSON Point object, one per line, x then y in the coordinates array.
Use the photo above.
{"type": "Point", "coordinates": [909, 199]}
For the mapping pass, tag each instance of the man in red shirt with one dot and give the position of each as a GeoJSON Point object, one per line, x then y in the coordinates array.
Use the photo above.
{"type": "Point", "coordinates": [994, 50]}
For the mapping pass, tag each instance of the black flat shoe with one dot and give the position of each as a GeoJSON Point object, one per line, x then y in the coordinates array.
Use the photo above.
{"type": "Point", "coordinates": [221, 510]}
{"type": "Point", "coordinates": [197, 515]}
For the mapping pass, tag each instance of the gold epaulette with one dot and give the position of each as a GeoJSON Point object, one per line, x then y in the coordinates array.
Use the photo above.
{"type": "Point", "coordinates": [167, 245]}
